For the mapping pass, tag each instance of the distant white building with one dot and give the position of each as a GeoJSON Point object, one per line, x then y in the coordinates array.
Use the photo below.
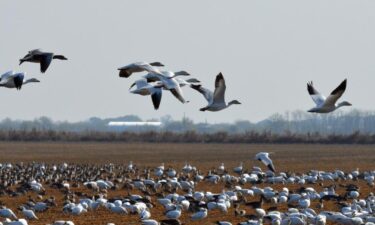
{"type": "Point", "coordinates": [133, 124]}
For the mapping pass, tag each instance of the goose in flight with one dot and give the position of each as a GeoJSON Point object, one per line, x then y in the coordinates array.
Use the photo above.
{"type": "Point", "coordinates": [128, 70]}
{"type": "Point", "coordinates": [265, 159]}
{"type": "Point", "coordinates": [44, 58]}
{"type": "Point", "coordinates": [326, 105]}
{"type": "Point", "coordinates": [12, 79]}
{"type": "Point", "coordinates": [144, 88]}
{"type": "Point", "coordinates": [216, 99]}
{"type": "Point", "coordinates": [169, 82]}
{"type": "Point", "coordinates": [159, 75]}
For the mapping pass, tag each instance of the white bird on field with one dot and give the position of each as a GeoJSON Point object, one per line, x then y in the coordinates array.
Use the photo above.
{"type": "Point", "coordinates": [62, 222]}
{"type": "Point", "coordinates": [149, 222]}
{"type": "Point", "coordinates": [265, 159]}
{"type": "Point", "coordinates": [16, 222]}
{"type": "Point", "coordinates": [174, 214]}
{"type": "Point", "coordinates": [12, 79]}
{"type": "Point", "coordinates": [239, 168]}
{"type": "Point", "coordinates": [29, 214]}
{"type": "Point", "coordinates": [201, 214]}
{"type": "Point", "coordinates": [326, 105]}
{"type": "Point", "coordinates": [223, 223]}
{"type": "Point", "coordinates": [216, 99]}
{"type": "Point", "coordinates": [145, 214]}
{"type": "Point", "coordinates": [7, 213]}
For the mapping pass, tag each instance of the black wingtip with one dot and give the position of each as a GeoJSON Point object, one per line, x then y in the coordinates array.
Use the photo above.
{"type": "Point", "coordinates": [340, 88]}
{"type": "Point", "coordinates": [310, 88]}
{"type": "Point", "coordinates": [157, 64]}
{"type": "Point", "coordinates": [270, 167]}
{"type": "Point", "coordinates": [195, 86]}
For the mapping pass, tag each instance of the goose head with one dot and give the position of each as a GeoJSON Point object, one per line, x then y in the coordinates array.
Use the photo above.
{"type": "Point", "coordinates": [344, 103]}
{"type": "Point", "coordinates": [182, 73]}
{"type": "Point", "coordinates": [234, 102]}
{"type": "Point", "coordinates": [313, 110]}
{"type": "Point", "coordinates": [61, 57]}
{"type": "Point", "coordinates": [32, 80]}
{"type": "Point", "coordinates": [157, 64]}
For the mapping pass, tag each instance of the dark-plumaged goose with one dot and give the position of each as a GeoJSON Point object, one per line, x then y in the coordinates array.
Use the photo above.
{"type": "Point", "coordinates": [216, 99]}
{"type": "Point", "coordinates": [12, 79]}
{"type": "Point", "coordinates": [43, 58]}
{"type": "Point", "coordinates": [326, 105]}
{"type": "Point", "coordinates": [128, 70]}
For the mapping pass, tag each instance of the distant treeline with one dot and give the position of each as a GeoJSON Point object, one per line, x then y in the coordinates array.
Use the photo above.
{"type": "Point", "coordinates": [185, 137]}
{"type": "Point", "coordinates": [291, 127]}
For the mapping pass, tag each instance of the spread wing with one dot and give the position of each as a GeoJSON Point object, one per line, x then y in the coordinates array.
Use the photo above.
{"type": "Point", "coordinates": [266, 160]}
{"type": "Point", "coordinates": [318, 98]}
{"type": "Point", "coordinates": [207, 94]}
{"type": "Point", "coordinates": [219, 93]}
{"type": "Point", "coordinates": [156, 98]}
{"type": "Point", "coordinates": [177, 92]}
{"type": "Point", "coordinates": [336, 94]}
{"type": "Point", "coordinates": [18, 80]}
{"type": "Point", "coordinates": [6, 75]}
{"type": "Point", "coordinates": [128, 70]}
{"type": "Point", "coordinates": [45, 61]}
{"type": "Point", "coordinates": [139, 83]}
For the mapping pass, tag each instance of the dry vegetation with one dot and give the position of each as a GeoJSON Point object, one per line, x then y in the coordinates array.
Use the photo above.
{"type": "Point", "coordinates": [296, 158]}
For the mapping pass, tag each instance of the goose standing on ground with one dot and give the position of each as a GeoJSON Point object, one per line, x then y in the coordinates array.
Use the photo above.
{"type": "Point", "coordinates": [44, 58]}
{"type": "Point", "coordinates": [265, 159]}
{"type": "Point", "coordinates": [326, 105]}
{"type": "Point", "coordinates": [12, 79]}
{"type": "Point", "coordinates": [216, 99]}
{"type": "Point", "coordinates": [128, 70]}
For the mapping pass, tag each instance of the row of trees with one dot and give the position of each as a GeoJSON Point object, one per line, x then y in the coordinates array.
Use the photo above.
{"type": "Point", "coordinates": [186, 137]}
{"type": "Point", "coordinates": [295, 122]}
{"type": "Point", "coordinates": [291, 127]}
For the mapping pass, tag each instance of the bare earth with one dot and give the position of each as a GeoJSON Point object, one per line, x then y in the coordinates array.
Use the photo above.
{"type": "Point", "coordinates": [295, 158]}
{"type": "Point", "coordinates": [298, 158]}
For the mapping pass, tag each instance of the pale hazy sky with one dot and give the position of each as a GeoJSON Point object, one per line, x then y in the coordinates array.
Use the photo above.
{"type": "Point", "coordinates": [267, 51]}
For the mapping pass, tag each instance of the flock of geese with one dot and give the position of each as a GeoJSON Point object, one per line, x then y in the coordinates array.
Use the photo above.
{"type": "Point", "coordinates": [247, 193]}
{"type": "Point", "coordinates": [155, 81]}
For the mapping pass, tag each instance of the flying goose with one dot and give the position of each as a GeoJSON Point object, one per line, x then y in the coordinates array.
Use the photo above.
{"type": "Point", "coordinates": [12, 79]}
{"type": "Point", "coordinates": [265, 159]}
{"type": "Point", "coordinates": [169, 82]}
{"type": "Point", "coordinates": [158, 75]}
{"type": "Point", "coordinates": [326, 105]}
{"type": "Point", "coordinates": [216, 99]}
{"type": "Point", "coordinates": [44, 58]}
{"type": "Point", "coordinates": [128, 70]}
{"type": "Point", "coordinates": [144, 88]}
